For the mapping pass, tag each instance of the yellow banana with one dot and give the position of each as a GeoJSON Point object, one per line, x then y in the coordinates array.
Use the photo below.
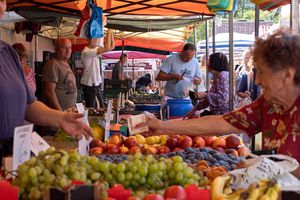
{"type": "Point", "coordinates": [217, 187]}
{"type": "Point", "coordinates": [271, 193]}
{"type": "Point", "coordinates": [235, 195]}
{"type": "Point", "coordinates": [255, 193]}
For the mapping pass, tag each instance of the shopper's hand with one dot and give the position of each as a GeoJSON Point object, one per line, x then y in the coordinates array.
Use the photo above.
{"type": "Point", "coordinates": [155, 125]}
{"type": "Point", "coordinates": [190, 114]}
{"type": "Point", "coordinates": [200, 95]}
{"type": "Point", "coordinates": [197, 80]}
{"type": "Point", "coordinates": [72, 123]}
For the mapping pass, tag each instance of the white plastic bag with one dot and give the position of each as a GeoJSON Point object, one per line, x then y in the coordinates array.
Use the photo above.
{"type": "Point", "coordinates": [263, 167]}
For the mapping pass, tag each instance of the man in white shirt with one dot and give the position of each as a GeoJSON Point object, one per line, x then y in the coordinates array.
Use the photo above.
{"type": "Point", "coordinates": [91, 77]}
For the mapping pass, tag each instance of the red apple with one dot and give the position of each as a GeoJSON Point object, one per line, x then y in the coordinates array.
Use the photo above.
{"type": "Point", "coordinates": [153, 197]}
{"type": "Point", "coordinates": [116, 139]}
{"type": "Point", "coordinates": [164, 149]}
{"type": "Point", "coordinates": [219, 142]}
{"type": "Point", "coordinates": [220, 150]}
{"type": "Point", "coordinates": [209, 140]}
{"type": "Point", "coordinates": [123, 149]}
{"type": "Point", "coordinates": [186, 141]}
{"type": "Point", "coordinates": [233, 141]}
{"type": "Point", "coordinates": [112, 148]}
{"type": "Point", "coordinates": [96, 150]}
{"type": "Point", "coordinates": [198, 142]}
{"type": "Point", "coordinates": [172, 143]}
{"type": "Point", "coordinates": [176, 192]}
{"type": "Point", "coordinates": [130, 142]}
{"type": "Point", "coordinates": [232, 152]}
{"type": "Point", "coordinates": [134, 150]}
{"type": "Point", "coordinates": [244, 151]}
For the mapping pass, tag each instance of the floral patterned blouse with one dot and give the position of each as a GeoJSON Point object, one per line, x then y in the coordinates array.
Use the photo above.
{"type": "Point", "coordinates": [218, 94]}
{"type": "Point", "coordinates": [280, 131]}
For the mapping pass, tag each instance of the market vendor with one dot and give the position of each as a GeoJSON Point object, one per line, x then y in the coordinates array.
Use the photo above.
{"type": "Point", "coordinates": [17, 103]}
{"type": "Point", "coordinates": [177, 71]}
{"type": "Point", "coordinates": [144, 82]}
{"type": "Point", "coordinates": [276, 113]}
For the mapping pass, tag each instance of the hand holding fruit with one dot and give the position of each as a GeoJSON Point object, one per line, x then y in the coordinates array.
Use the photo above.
{"type": "Point", "coordinates": [200, 95]}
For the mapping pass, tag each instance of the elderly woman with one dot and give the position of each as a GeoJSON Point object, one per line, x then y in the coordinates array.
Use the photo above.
{"type": "Point", "coordinates": [276, 113]}
{"type": "Point", "coordinates": [217, 98]}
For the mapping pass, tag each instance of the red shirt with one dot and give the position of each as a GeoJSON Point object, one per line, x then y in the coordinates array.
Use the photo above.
{"type": "Point", "coordinates": [280, 131]}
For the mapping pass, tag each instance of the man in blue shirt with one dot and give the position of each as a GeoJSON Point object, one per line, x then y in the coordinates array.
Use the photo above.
{"type": "Point", "coordinates": [180, 71]}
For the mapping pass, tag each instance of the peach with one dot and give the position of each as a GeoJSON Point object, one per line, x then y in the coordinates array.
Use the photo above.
{"type": "Point", "coordinates": [219, 142]}
{"type": "Point", "coordinates": [176, 192]}
{"type": "Point", "coordinates": [164, 149]}
{"type": "Point", "coordinates": [185, 141]}
{"type": "Point", "coordinates": [232, 152]}
{"type": "Point", "coordinates": [244, 151]}
{"type": "Point", "coordinates": [177, 149]}
{"type": "Point", "coordinates": [123, 149]}
{"type": "Point", "coordinates": [116, 139]}
{"type": "Point", "coordinates": [198, 142]}
{"type": "Point", "coordinates": [233, 141]}
{"type": "Point", "coordinates": [130, 142]}
{"type": "Point", "coordinates": [209, 140]}
{"type": "Point", "coordinates": [96, 150]}
{"type": "Point", "coordinates": [150, 150]}
{"type": "Point", "coordinates": [112, 148]}
{"type": "Point", "coordinates": [134, 150]}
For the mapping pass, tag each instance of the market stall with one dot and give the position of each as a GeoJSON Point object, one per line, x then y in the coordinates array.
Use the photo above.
{"type": "Point", "coordinates": [125, 161]}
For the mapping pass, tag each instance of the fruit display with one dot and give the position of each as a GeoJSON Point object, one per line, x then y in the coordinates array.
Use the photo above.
{"type": "Point", "coordinates": [221, 188]}
{"type": "Point", "coordinates": [57, 168]}
{"type": "Point", "coordinates": [211, 157]}
{"type": "Point", "coordinates": [118, 144]}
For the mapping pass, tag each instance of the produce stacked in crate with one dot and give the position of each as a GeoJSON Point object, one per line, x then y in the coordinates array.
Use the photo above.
{"type": "Point", "coordinates": [145, 98]}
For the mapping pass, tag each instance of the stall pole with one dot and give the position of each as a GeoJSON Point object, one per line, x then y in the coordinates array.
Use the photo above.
{"type": "Point", "coordinates": [207, 52]}
{"type": "Point", "coordinates": [294, 18]}
{"type": "Point", "coordinates": [231, 62]}
{"type": "Point", "coordinates": [195, 39]}
{"type": "Point", "coordinates": [213, 36]}
{"type": "Point", "coordinates": [256, 33]}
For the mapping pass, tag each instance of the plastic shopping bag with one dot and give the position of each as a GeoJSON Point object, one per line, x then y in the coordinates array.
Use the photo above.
{"type": "Point", "coordinates": [95, 28]}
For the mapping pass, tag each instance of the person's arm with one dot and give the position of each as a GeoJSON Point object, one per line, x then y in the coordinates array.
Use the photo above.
{"type": "Point", "coordinates": [193, 127]}
{"type": "Point", "coordinates": [50, 95]}
{"type": "Point", "coordinates": [162, 76]}
{"type": "Point", "coordinates": [297, 173]}
{"type": "Point", "coordinates": [109, 43]}
{"type": "Point", "coordinates": [38, 113]}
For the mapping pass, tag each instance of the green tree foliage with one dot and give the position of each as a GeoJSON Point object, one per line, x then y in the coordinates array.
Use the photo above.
{"type": "Point", "coordinates": [246, 11]}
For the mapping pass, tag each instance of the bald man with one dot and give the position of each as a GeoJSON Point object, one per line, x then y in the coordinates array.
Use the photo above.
{"type": "Point", "coordinates": [59, 83]}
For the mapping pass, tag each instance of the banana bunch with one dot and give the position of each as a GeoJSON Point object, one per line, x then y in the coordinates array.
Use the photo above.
{"type": "Point", "coordinates": [221, 189]}
{"type": "Point", "coordinates": [264, 190]}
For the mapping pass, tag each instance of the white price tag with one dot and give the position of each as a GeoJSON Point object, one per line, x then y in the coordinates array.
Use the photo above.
{"type": "Point", "coordinates": [83, 146]}
{"type": "Point", "coordinates": [80, 108]}
{"type": "Point", "coordinates": [108, 117]}
{"type": "Point", "coordinates": [38, 144]}
{"type": "Point", "coordinates": [21, 146]}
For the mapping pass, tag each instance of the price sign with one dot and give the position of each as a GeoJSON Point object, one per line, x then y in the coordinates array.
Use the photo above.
{"type": "Point", "coordinates": [83, 144]}
{"type": "Point", "coordinates": [38, 144]}
{"type": "Point", "coordinates": [21, 147]}
{"type": "Point", "coordinates": [108, 117]}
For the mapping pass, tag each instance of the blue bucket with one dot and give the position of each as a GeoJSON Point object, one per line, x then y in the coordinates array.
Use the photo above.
{"type": "Point", "coordinates": [179, 107]}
